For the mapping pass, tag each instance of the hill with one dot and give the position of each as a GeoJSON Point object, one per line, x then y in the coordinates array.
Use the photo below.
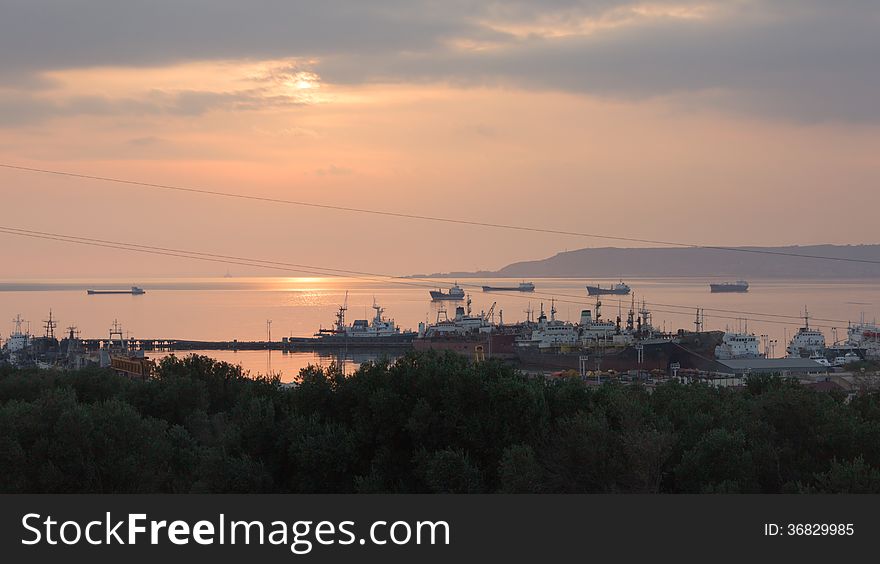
{"type": "Point", "coordinates": [756, 262]}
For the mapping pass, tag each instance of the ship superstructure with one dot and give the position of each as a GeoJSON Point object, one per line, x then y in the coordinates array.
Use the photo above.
{"type": "Point", "coordinates": [807, 342]}
{"type": "Point", "coordinates": [18, 340]}
{"type": "Point", "coordinates": [735, 346]}
{"type": "Point", "coordinates": [552, 332]}
{"type": "Point", "coordinates": [864, 337]}
{"type": "Point", "coordinates": [463, 323]}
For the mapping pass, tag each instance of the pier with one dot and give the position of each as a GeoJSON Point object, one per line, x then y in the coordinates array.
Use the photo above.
{"type": "Point", "coordinates": [286, 344]}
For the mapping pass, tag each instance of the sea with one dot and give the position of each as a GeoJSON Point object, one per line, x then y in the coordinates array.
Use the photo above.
{"type": "Point", "coordinates": [228, 308]}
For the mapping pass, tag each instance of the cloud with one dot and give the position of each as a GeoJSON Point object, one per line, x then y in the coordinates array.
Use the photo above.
{"type": "Point", "coordinates": [19, 107]}
{"type": "Point", "coordinates": [801, 60]}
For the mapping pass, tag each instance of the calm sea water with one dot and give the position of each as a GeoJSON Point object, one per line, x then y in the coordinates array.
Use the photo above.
{"type": "Point", "coordinates": [239, 308]}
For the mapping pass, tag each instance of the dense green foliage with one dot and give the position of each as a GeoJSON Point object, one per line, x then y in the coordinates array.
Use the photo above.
{"type": "Point", "coordinates": [426, 423]}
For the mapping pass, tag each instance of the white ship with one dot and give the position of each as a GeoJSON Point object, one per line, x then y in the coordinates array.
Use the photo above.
{"type": "Point", "coordinates": [379, 327]}
{"type": "Point", "coordinates": [596, 329]}
{"type": "Point", "coordinates": [866, 337]}
{"type": "Point", "coordinates": [807, 343]}
{"type": "Point", "coordinates": [464, 323]}
{"type": "Point", "coordinates": [551, 333]}
{"type": "Point", "coordinates": [848, 358]}
{"type": "Point", "coordinates": [738, 345]}
{"type": "Point", "coordinates": [18, 341]}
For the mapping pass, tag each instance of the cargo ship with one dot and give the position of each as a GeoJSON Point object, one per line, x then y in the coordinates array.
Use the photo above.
{"type": "Point", "coordinates": [618, 289]}
{"type": "Point", "coordinates": [134, 291]}
{"type": "Point", "coordinates": [522, 287]}
{"type": "Point", "coordinates": [721, 287]}
{"type": "Point", "coordinates": [455, 294]}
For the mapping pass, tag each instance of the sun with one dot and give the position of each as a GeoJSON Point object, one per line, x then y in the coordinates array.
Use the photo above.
{"type": "Point", "coordinates": [303, 80]}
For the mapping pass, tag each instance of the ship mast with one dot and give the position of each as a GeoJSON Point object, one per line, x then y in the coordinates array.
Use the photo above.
{"type": "Point", "coordinates": [18, 321]}
{"type": "Point", "coordinates": [116, 331]}
{"type": "Point", "coordinates": [379, 311]}
{"type": "Point", "coordinates": [50, 325]}
{"type": "Point", "coordinates": [340, 315]}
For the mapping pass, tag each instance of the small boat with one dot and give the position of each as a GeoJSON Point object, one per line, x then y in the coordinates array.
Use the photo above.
{"type": "Point", "coordinates": [738, 286]}
{"type": "Point", "coordinates": [454, 293]}
{"type": "Point", "coordinates": [619, 289]}
{"type": "Point", "coordinates": [848, 358]}
{"type": "Point", "coordinates": [821, 360]}
{"type": "Point", "coordinates": [135, 291]}
{"type": "Point", "coordinates": [522, 287]}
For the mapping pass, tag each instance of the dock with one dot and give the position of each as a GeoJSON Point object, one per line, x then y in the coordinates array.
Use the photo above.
{"type": "Point", "coordinates": [286, 344]}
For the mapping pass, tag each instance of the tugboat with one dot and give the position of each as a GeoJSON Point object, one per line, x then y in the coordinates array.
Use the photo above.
{"type": "Point", "coordinates": [455, 294]}
{"type": "Point", "coordinates": [619, 289]}
{"type": "Point", "coordinates": [720, 287]}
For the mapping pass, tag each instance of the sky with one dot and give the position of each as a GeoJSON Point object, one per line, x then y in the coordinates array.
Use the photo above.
{"type": "Point", "coordinates": [737, 122]}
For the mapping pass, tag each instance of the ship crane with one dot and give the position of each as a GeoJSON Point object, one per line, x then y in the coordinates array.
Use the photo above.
{"type": "Point", "coordinates": [491, 313]}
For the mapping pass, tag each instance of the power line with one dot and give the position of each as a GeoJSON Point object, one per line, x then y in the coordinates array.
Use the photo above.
{"type": "Point", "coordinates": [403, 215]}
{"type": "Point", "coordinates": [323, 271]}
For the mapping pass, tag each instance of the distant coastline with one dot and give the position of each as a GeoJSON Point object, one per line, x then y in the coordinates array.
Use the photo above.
{"type": "Point", "coordinates": [754, 262]}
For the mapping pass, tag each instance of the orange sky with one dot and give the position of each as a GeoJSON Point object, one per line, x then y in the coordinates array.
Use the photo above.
{"type": "Point", "coordinates": [452, 129]}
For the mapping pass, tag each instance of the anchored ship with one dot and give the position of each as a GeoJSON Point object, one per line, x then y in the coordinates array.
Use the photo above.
{"type": "Point", "coordinates": [475, 336]}
{"type": "Point", "coordinates": [735, 346]}
{"type": "Point", "coordinates": [18, 340]}
{"type": "Point", "coordinates": [738, 286]}
{"type": "Point", "coordinates": [865, 337]}
{"type": "Point", "coordinates": [522, 287]}
{"type": "Point", "coordinates": [618, 289]}
{"type": "Point", "coordinates": [378, 332]}
{"type": "Point", "coordinates": [135, 291]}
{"type": "Point", "coordinates": [807, 343]}
{"type": "Point", "coordinates": [455, 293]}
{"type": "Point", "coordinates": [598, 344]}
